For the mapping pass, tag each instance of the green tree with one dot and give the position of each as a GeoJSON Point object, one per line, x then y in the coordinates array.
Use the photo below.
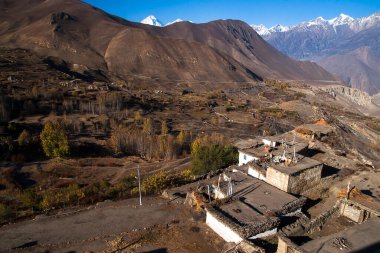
{"type": "Point", "coordinates": [212, 157]}
{"type": "Point", "coordinates": [54, 140]}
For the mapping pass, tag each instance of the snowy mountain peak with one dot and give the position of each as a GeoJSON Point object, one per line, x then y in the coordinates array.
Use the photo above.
{"type": "Point", "coordinates": [279, 28]}
{"type": "Point", "coordinates": [261, 29]}
{"type": "Point", "coordinates": [175, 21]}
{"type": "Point", "coordinates": [151, 20]}
{"type": "Point", "coordinates": [317, 21]}
{"type": "Point", "coordinates": [342, 19]}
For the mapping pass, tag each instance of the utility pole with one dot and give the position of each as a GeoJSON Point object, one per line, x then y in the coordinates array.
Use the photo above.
{"type": "Point", "coordinates": [138, 176]}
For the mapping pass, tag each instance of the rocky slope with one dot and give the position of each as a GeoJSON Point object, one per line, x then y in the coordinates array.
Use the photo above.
{"type": "Point", "coordinates": [343, 45]}
{"type": "Point", "coordinates": [87, 38]}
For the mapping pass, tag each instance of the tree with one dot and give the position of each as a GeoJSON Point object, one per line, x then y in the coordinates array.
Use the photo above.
{"type": "Point", "coordinates": [156, 182]}
{"type": "Point", "coordinates": [138, 117]}
{"type": "Point", "coordinates": [54, 140]}
{"type": "Point", "coordinates": [24, 138]}
{"type": "Point", "coordinates": [164, 128]}
{"type": "Point", "coordinates": [195, 146]}
{"type": "Point", "coordinates": [181, 137]}
{"type": "Point", "coordinates": [212, 157]}
{"type": "Point", "coordinates": [148, 127]}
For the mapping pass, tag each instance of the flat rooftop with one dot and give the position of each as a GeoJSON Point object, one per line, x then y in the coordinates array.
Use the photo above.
{"type": "Point", "coordinates": [315, 128]}
{"type": "Point", "coordinates": [253, 197]}
{"type": "Point", "coordinates": [302, 164]}
{"type": "Point", "coordinates": [256, 147]}
{"type": "Point", "coordinates": [364, 237]}
{"type": "Point", "coordinates": [248, 143]}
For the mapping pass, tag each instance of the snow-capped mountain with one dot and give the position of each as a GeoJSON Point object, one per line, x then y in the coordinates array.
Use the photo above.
{"type": "Point", "coordinates": [151, 20]}
{"type": "Point", "coordinates": [342, 19]}
{"type": "Point", "coordinates": [355, 25]}
{"type": "Point", "coordinates": [345, 46]}
{"type": "Point", "coordinates": [263, 30]}
{"type": "Point", "coordinates": [175, 21]}
{"type": "Point", "coordinates": [279, 28]}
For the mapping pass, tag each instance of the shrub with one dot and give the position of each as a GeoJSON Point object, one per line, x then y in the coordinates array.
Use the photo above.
{"type": "Point", "coordinates": [6, 213]}
{"type": "Point", "coordinates": [54, 140]}
{"type": "Point", "coordinates": [30, 199]}
{"type": "Point", "coordinates": [156, 182]}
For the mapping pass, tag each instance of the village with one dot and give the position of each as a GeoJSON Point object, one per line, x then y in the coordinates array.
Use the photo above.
{"type": "Point", "coordinates": [264, 196]}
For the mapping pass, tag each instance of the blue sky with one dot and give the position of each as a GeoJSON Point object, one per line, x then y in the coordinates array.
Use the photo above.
{"type": "Point", "coordinates": [267, 12]}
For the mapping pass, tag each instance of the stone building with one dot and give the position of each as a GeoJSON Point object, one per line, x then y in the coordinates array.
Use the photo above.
{"type": "Point", "coordinates": [248, 207]}
{"type": "Point", "coordinates": [276, 160]}
{"type": "Point", "coordinates": [298, 175]}
{"type": "Point", "coordinates": [332, 232]}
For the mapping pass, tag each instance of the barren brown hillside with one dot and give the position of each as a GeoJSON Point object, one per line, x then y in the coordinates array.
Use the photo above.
{"type": "Point", "coordinates": [88, 38]}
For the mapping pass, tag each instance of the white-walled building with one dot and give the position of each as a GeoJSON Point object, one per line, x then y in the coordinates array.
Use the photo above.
{"type": "Point", "coordinates": [249, 201]}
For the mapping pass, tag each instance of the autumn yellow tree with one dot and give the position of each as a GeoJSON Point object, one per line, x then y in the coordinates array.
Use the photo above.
{"type": "Point", "coordinates": [181, 137]}
{"type": "Point", "coordinates": [164, 128]}
{"type": "Point", "coordinates": [54, 140]}
{"type": "Point", "coordinates": [24, 138]}
{"type": "Point", "coordinates": [148, 127]}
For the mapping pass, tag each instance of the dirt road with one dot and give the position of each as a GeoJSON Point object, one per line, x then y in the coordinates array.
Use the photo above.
{"type": "Point", "coordinates": [157, 225]}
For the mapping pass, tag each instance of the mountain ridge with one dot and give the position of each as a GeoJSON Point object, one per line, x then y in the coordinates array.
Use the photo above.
{"type": "Point", "coordinates": [87, 38]}
{"type": "Point", "coordinates": [337, 45]}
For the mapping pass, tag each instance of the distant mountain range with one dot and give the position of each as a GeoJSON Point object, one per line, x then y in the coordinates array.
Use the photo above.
{"type": "Point", "coordinates": [345, 46]}
{"type": "Point", "coordinates": [82, 38]}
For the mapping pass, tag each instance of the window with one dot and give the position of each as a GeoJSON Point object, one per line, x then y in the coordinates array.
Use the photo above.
{"type": "Point", "coordinates": [245, 157]}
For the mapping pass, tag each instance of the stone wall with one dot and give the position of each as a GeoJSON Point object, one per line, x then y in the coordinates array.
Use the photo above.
{"type": "Point", "coordinates": [352, 212]}
{"type": "Point", "coordinates": [316, 223]}
{"type": "Point", "coordinates": [324, 183]}
{"type": "Point", "coordinates": [222, 229]}
{"type": "Point", "coordinates": [277, 179]}
{"type": "Point", "coordinates": [303, 180]}
{"type": "Point", "coordinates": [356, 211]}
{"type": "Point", "coordinates": [291, 207]}
{"type": "Point", "coordinates": [285, 245]}
{"type": "Point", "coordinates": [244, 230]}
{"type": "Point", "coordinates": [305, 226]}
{"type": "Point", "coordinates": [248, 247]}
{"type": "Point", "coordinates": [297, 182]}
